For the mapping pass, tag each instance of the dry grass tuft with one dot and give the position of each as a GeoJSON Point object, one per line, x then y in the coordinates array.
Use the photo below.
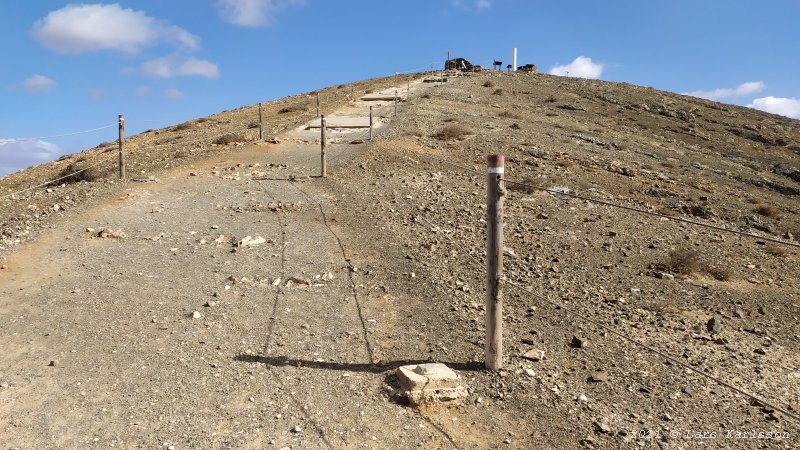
{"type": "Point", "coordinates": [768, 211]}
{"type": "Point", "coordinates": [497, 92]}
{"type": "Point", "coordinates": [183, 126]}
{"type": "Point", "coordinates": [684, 261]}
{"type": "Point", "coordinates": [488, 84]}
{"type": "Point", "coordinates": [775, 250]}
{"type": "Point", "coordinates": [510, 115]}
{"type": "Point", "coordinates": [451, 132]}
{"type": "Point", "coordinates": [226, 139]}
{"type": "Point", "coordinates": [293, 108]}
{"type": "Point", "coordinates": [85, 172]}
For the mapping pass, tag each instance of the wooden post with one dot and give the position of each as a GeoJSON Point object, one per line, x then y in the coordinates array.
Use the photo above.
{"type": "Point", "coordinates": [494, 262]}
{"type": "Point", "coordinates": [121, 144]}
{"type": "Point", "coordinates": [260, 123]}
{"type": "Point", "coordinates": [324, 161]}
{"type": "Point", "coordinates": [318, 104]}
{"type": "Point", "coordinates": [395, 102]}
{"type": "Point", "coordinates": [370, 122]}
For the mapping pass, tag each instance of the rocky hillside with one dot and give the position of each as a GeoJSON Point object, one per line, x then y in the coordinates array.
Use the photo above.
{"type": "Point", "coordinates": [622, 328]}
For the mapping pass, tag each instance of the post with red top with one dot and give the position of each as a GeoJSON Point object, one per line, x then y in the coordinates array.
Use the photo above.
{"type": "Point", "coordinates": [324, 161]}
{"type": "Point", "coordinates": [495, 193]}
{"type": "Point", "coordinates": [121, 144]}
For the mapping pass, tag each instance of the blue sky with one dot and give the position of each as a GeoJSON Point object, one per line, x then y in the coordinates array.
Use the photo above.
{"type": "Point", "coordinates": [72, 66]}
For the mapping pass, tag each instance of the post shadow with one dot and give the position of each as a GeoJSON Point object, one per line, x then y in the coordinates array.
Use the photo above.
{"type": "Point", "coordinates": [284, 361]}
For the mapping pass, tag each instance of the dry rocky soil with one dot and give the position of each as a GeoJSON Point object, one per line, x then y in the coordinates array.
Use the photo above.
{"type": "Point", "coordinates": [225, 296]}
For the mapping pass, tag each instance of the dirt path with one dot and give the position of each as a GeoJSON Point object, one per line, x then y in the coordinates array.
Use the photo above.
{"type": "Point", "coordinates": [174, 336]}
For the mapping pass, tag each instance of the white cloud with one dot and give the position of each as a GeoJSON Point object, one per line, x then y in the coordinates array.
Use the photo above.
{"type": "Point", "coordinates": [789, 107]}
{"type": "Point", "coordinates": [39, 84]}
{"type": "Point", "coordinates": [178, 66]}
{"type": "Point", "coordinates": [252, 13]}
{"type": "Point", "coordinates": [582, 67]}
{"type": "Point", "coordinates": [84, 28]}
{"type": "Point", "coordinates": [143, 91]}
{"type": "Point", "coordinates": [750, 87]}
{"type": "Point", "coordinates": [18, 154]}
{"type": "Point", "coordinates": [173, 93]}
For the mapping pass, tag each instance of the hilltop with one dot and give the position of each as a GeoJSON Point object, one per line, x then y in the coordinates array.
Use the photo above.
{"type": "Point", "coordinates": [381, 263]}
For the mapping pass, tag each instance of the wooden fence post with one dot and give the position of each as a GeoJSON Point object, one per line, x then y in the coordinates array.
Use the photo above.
{"type": "Point", "coordinates": [370, 122]}
{"type": "Point", "coordinates": [324, 161]}
{"type": "Point", "coordinates": [494, 262]}
{"type": "Point", "coordinates": [318, 105]}
{"type": "Point", "coordinates": [395, 102]}
{"type": "Point", "coordinates": [260, 123]}
{"type": "Point", "coordinates": [121, 144]}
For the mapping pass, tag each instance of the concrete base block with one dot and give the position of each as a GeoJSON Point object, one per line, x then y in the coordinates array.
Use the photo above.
{"type": "Point", "coordinates": [429, 383]}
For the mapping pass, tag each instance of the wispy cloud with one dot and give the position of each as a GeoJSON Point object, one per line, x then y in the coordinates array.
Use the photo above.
{"type": "Point", "coordinates": [789, 107]}
{"type": "Point", "coordinates": [173, 93]}
{"type": "Point", "coordinates": [478, 5]}
{"type": "Point", "coordinates": [581, 67]}
{"type": "Point", "coordinates": [143, 91]}
{"type": "Point", "coordinates": [179, 66]}
{"type": "Point", "coordinates": [18, 154]}
{"type": "Point", "coordinates": [253, 13]}
{"type": "Point", "coordinates": [39, 84]}
{"type": "Point", "coordinates": [750, 87]}
{"type": "Point", "coordinates": [85, 28]}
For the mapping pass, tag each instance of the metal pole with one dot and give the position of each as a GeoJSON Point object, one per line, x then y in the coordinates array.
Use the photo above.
{"type": "Point", "coordinates": [121, 144]}
{"type": "Point", "coordinates": [370, 122]}
{"type": "Point", "coordinates": [260, 124]}
{"type": "Point", "coordinates": [494, 262]}
{"type": "Point", "coordinates": [324, 162]}
{"type": "Point", "coordinates": [318, 104]}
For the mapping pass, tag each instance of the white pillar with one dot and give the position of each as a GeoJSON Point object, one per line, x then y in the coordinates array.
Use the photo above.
{"type": "Point", "coordinates": [514, 61]}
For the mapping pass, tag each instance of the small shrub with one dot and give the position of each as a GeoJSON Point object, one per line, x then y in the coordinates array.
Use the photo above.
{"type": "Point", "coordinates": [89, 174]}
{"type": "Point", "coordinates": [488, 84]}
{"type": "Point", "coordinates": [510, 115]}
{"type": "Point", "coordinates": [768, 211]}
{"type": "Point", "coordinates": [550, 99]}
{"type": "Point", "coordinates": [183, 126]}
{"type": "Point", "coordinates": [369, 91]}
{"type": "Point", "coordinates": [451, 132]}
{"type": "Point", "coordinates": [683, 261]}
{"type": "Point", "coordinates": [719, 273]}
{"type": "Point", "coordinates": [775, 250]}
{"type": "Point", "coordinates": [415, 133]}
{"type": "Point", "coordinates": [497, 92]}
{"type": "Point", "coordinates": [253, 124]}
{"type": "Point", "coordinates": [226, 139]}
{"type": "Point", "coordinates": [292, 108]}
{"type": "Point", "coordinates": [426, 95]}
{"type": "Point", "coordinates": [450, 119]}
{"type": "Point", "coordinates": [202, 120]}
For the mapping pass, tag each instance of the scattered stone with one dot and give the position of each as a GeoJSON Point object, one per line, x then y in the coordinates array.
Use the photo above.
{"type": "Point", "coordinates": [4, 385]}
{"type": "Point", "coordinates": [357, 141]}
{"type": "Point", "coordinates": [577, 342]}
{"type": "Point", "coordinates": [760, 351]}
{"type": "Point", "coordinates": [600, 376]}
{"type": "Point", "coordinates": [534, 355]}
{"type": "Point", "coordinates": [299, 280]}
{"type": "Point", "coordinates": [530, 372]}
{"type": "Point", "coordinates": [528, 341]}
{"type": "Point", "coordinates": [107, 233]}
{"type": "Point", "coordinates": [583, 398]}
{"type": "Point", "coordinates": [210, 304]}
{"type": "Point", "coordinates": [714, 325]}
{"type": "Point", "coordinates": [602, 427]}
{"type": "Point", "coordinates": [249, 241]}
{"type": "Point", "coordinates": [716, 390]}
{"type": "Point", "coordinates": [197, 315]}
{"type": "Point", "coordinates": [665, 275]}
{"type": "Point", "coordinates": [54, 363]}
{"type": "Point", "coordinates": [296, 429]}
{"type": "Point", "coordinates": [429, 383]}
{"type": "Point", "coordinates": [3, 267]}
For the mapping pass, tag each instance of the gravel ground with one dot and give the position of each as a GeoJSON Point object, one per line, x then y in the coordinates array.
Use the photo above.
{"type": "Point", "coordinates": [172, 329]}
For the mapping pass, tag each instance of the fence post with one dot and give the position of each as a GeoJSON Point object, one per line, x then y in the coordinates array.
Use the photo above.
{"type": "Point", "coordinates": [318, 104]}
{"type": "Point", "coordinates": [260, 124]}
{"type": "Point", "coordinates": [395, 102]}
{"type": "Point", "coordinates": [121, 143]}
{"type": "Point", "coordinates": [370, 122]}
{"type": "Point", "coordinates": [324, 162]}
{"type": "Point", "coordinates": [494, 262]}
